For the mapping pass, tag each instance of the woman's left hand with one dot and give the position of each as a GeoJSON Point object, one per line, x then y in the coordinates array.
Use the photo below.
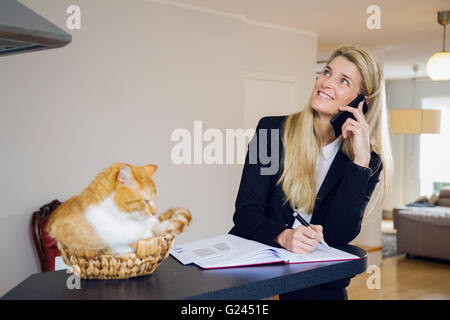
{"type": "Point", "coordinates": [358, 132]}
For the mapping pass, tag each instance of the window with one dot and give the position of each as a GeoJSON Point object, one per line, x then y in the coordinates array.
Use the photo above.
{"type": "Point", "coordinates": [435, 150]}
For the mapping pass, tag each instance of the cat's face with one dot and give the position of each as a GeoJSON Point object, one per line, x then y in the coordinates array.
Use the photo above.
{"type": "Point", "coordinates": [135, 190]}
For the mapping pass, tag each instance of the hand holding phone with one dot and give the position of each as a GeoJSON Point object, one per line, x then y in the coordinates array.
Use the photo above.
{"type": "Point", "coordinates": [338, 120]}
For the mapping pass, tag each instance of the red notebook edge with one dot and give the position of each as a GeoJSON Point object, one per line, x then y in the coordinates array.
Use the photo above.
{"type": "Point", "coordinates": [272, 262]}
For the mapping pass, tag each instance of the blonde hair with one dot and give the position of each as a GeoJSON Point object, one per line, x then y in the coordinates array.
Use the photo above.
{"type": "Point", "coordinates": [302, 141]}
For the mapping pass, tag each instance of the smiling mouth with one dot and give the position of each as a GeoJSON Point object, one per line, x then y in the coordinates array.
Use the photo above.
{"type": "Point", "coordinates": [324, 95]}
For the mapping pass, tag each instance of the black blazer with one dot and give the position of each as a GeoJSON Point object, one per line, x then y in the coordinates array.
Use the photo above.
{"type": "Point", "coordinates": [260, 214]}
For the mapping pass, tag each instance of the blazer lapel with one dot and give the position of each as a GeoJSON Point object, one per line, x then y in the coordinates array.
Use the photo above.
{"type": "Point", "coordinates": [334, 174]}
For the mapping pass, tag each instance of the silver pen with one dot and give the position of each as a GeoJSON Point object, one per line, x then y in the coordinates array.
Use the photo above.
{"type": "Point", "coordinates": [306, 224]}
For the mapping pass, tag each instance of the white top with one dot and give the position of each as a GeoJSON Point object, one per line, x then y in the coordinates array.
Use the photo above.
{"type": "Point", "coordinates": [323, 163]}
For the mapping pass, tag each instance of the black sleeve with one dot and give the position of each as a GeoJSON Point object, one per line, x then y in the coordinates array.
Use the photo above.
{"type": "Point", "coordinates": [250, 218]}
{"type": "Point", "coordinates": [343, 222]}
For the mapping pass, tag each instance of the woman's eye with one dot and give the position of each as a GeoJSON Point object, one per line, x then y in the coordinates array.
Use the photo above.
{"type": "Point", "coordinates": [326, 72]}
{"type": "Point", "coordinates": [344, 81]}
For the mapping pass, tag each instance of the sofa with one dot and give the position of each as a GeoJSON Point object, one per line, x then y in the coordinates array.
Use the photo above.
{"type": "Point", "coordinates": [425, 230]}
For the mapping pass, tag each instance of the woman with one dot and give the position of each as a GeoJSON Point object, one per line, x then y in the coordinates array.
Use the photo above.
{"type": "Point", "coordinates": [328, 180]}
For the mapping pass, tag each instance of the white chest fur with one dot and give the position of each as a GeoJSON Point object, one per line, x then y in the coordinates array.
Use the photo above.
{"type": "Point", "coordinates": [116, 228]}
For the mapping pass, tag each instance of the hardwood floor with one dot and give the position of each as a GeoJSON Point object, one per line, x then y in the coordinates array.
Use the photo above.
{"type": "Point", "coordinates": [404, 278]}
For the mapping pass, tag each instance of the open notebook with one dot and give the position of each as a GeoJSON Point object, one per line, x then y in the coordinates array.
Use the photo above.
{"type": "Point", "coordinates": [228, 250]}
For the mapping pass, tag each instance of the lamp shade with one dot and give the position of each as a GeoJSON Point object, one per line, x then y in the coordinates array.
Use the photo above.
{"type": "Point", "coordinates": [431, 121]}
{"type": "Point", "coordinates": [415, 121]}
{"type": "Point", "coordinates": [438, 66]}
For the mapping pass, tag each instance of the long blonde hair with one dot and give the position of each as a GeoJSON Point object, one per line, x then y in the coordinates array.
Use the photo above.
{"type": "Point", "coordinates": [302, 141]}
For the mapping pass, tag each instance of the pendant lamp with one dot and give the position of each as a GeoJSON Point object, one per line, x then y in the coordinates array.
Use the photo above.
{"type": "Point", "coordinates": [438, 66]}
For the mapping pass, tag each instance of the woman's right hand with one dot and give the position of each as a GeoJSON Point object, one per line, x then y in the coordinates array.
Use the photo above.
{"type": "Point", "coordinates": [301, 239]}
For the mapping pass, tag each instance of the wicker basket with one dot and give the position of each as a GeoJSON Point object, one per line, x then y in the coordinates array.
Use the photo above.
{"type": "Point", "coordinates": [148, 255]}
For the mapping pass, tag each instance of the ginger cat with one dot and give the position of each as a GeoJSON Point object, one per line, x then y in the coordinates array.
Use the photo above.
{"type": "Point", "coordinates": [113, 212]}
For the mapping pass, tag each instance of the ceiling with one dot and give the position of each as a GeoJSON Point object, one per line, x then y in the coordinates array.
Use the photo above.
{"type": "Point", "coordinates": [409, 32]}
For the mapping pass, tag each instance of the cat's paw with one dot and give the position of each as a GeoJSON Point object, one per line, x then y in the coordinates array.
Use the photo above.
{"type": "Point", "coordinates": [163, 227]}
{"type": "Point", "coordinates": [177, 213]}
{"type": "Point", "coordinates": [147, 234]}
{"type": "Point", "coordinates": [122, 249]}
{"type": "Point", "coordinates": [173, 220]}
{"type": "Point", "coordinates": [151, 222]}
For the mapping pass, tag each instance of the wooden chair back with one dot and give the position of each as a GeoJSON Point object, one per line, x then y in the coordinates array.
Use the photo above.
{"type": "Point", "coordinates": [41, 239]}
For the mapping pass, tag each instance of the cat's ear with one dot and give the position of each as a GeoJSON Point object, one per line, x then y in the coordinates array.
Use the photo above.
{"type": "Point", "coordinates": [151, 169]}
{"type": "Point", "coordinates": [125, 177]}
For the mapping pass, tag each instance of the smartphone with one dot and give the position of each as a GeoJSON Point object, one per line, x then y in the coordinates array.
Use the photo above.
{"type": "Point", "coordinates": [338, 120]}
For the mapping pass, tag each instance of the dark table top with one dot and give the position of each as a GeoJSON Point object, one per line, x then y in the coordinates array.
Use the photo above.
{"type": "Point", "coordinates": [172, 280]}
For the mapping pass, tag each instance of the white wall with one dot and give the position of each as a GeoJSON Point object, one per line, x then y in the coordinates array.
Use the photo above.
{"type": "Point", "coordinates": [282, 51]}
{"type": "Point", "coordinates": [278, 81]}
{"type": "Point", "coordinates": [134, 72]}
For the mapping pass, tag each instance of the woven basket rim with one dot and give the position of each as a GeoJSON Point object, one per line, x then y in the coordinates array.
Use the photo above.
{"type": "Point", "coordinates": [95, 264]}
